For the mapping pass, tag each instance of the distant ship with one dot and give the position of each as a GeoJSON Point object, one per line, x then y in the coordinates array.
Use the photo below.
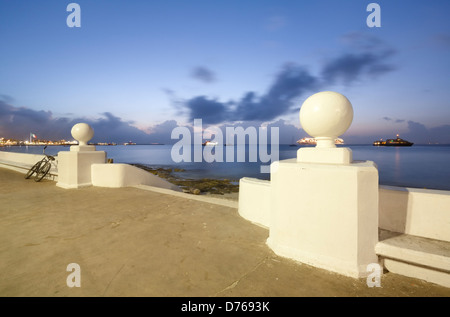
{"type": "Point", "coordinates": [393, 142]}
{"type": "Point", "coordinates": [210, 143]}
{"type": "Point", "coordinates": [312, 141]}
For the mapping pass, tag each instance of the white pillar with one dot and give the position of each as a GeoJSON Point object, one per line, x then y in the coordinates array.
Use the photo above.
{"type": "Point", "coordinates": [74, 166]}
{"type": "Point", "coordinates": [324, 207]}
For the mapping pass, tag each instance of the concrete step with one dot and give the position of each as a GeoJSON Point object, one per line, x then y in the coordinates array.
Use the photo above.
{"type": "Point", "coordinates": [416, 257]}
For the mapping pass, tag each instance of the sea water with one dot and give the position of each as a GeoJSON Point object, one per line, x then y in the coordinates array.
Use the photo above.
{"type": "Point", "coordinates": [419, 166]}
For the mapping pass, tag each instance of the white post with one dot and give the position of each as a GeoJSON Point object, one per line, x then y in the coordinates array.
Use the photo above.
{"type": "Point", "coordinates": [324, 206]}
{"type": "Point", "coordinates": [74, 166]}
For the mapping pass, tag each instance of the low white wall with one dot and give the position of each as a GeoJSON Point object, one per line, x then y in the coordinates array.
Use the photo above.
{"type": "Point", "coordinates": [254, 200]}
{"type": "Point", "coordinates": [419, 212]}
{"type": "Point", "coordinates": [123, 175]}
{"type": "Point", "coordinates": [22, 162]}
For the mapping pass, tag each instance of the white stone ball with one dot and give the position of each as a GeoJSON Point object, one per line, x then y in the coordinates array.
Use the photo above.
{"type": "Point", "coordinates": [82, 132]}
{"type": "Point", "coordinates": [326, 114]}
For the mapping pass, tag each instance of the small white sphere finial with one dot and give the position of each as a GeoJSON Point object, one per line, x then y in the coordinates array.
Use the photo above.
{"type": "Point", "coordinates": [325, 116]}
{"type": "Point", "coordinates": [82, 132]}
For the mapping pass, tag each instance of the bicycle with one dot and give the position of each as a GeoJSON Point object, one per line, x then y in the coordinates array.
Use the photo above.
{"type": "Point", "coordinates": [41, 168]}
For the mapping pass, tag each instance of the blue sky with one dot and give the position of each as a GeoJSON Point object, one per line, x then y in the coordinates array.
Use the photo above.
{"type": "Point", "coordinates": [137, 69]}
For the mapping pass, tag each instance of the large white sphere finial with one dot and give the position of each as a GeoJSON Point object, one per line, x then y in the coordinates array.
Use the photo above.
{"type": "Point", "coordinates": [82, 132]}
{"type": "Point", "coordinates": [325, 116]}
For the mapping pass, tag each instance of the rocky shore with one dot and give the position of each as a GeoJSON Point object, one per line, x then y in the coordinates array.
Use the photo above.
{"type": "Point", "coordinates": [194, 186]}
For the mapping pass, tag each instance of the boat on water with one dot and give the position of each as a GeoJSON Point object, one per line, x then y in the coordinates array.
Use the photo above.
{"type": "Point", "coordinates": [312, 141]}
{"type": "Point", "coordinates": [209, 143]}
{"type": "Point", "coordinates": [393, 142]}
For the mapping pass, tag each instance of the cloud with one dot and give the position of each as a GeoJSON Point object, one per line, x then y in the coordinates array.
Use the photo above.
{"type": "Point", "coordinates": [368, 57]}
{"type": "Point", "coordinates": [110, 128]}
{"type": "Point", "coordinates": [365, 56]}
{"type": "Point", "coordinates": [351, 67]}
{"type": "Point", "coordinates": [203, 74]}
{"type": "Point", "coordinates": [19, 122]}
{"type": "Point", "coordinates": [418, 133]}
{"type": "Point", "coordinates": [396, 120]}
{"type": "Point", "coordinates": [289, 134]}
{"type": "Point", "coordinates": [209, 110]}
{"type": "Point", "coordinates": [290, 83]}
{"type": "Point", "coordinates": [161, 133]}
{"type": "Point", "coordinates": [15, 120]}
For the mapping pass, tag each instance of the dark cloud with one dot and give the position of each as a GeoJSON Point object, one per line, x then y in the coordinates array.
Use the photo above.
{"type": "Point", "coordinates": [161, 133]}
{"type": "Point", "coordinates": [366, 57]}
{"type": "Point", "coordinates": [416, 127]}
{"type": "Point", "coordinates": [291, 82]}
{"type": "Point", "coordinates": [420, 134]}
{"type": "Point", "coordinates": [110, 128]}
{"type": "Point", "coordinates": [440, 134]}
{"type": "Point", "coordinates": [417, 132]}
{"type": "Point", "coordinates": [351, 67]}
{"type": "Point", "coordinates": [289, 134]}
{"type": "Point", "coordinates": [203, 74]}
{"type": "Point", "coordinates": [396, 120]}
{"type": "Point", "coordinates": [209, 110]}
{"type": "Point", "coordinates": [18, 123]}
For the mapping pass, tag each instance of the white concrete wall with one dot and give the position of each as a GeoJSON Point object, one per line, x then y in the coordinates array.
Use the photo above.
{"type": "Point", "coordinates": [22, 162]}
{"type": "Point", "coordinates": [123, 175]}
{"type": "Point", "coordinates": [419, 212]}
{"type": "Point", "coordinates": [254, 200]}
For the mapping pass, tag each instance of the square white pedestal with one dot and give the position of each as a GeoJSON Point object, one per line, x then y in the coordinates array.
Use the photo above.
{"type": "Point", "coordinates": [74, 167]}
{"type": "Point", "coordinates": [325, 215]}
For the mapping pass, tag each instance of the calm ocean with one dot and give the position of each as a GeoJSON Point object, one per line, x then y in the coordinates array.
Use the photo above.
{"type": "Point", "coordinates": [420, 166]}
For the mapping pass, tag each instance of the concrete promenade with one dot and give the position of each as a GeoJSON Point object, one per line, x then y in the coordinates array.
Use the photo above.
{"type": "Point", "coordinates": [135, 242]}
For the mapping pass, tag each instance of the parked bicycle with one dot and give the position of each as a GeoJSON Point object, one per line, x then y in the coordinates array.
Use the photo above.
{"type": "Point", "coordinates": [41, 168]}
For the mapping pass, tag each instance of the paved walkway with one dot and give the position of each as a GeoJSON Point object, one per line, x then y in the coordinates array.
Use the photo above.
{"type": "Point", "coordinates": [134, 242]}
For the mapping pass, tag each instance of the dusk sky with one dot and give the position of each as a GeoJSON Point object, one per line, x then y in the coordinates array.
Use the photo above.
{"type": "Point", "coordinates": [137, 69]}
